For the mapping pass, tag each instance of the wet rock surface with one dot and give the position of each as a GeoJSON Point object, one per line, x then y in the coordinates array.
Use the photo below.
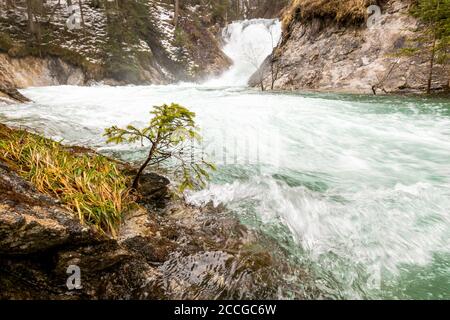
{"type": "Point", "coordinates": [33, 72]}
{"type": "Point", "coordinates": [167, 251]}
{"type": "Point", "coordinates": [31, 222]}
{"type": "Point", "coordinates": [10, 94]}
{"type": "Point", "coordinates": [154, 190]}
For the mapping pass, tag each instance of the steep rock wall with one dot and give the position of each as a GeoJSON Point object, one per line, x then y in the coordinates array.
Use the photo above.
{"type": "Point", "coordinates": [32, 72]}
{"type": "Point", "coordinates": [321, 55]}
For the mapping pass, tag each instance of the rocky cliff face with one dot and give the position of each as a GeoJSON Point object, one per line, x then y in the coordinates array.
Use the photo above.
{"type": "Point", "coordinates": [320, 54]}
{"type": "Point", "coordinates": [33, 72]}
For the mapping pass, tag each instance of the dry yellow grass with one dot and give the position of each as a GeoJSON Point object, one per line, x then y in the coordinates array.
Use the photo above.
{"type": "Point", "coordinates": [341, 11]}
{"type": "Point", "coordinates": [90, 185]}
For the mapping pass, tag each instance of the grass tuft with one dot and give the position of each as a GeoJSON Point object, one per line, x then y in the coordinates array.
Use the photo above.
{"type": "Point", "coordinates": [89, 185]}
{"type": "Point", "coordinates": [341, 11]}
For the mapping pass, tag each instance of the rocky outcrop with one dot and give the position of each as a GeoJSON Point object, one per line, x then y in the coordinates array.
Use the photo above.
{"type": "Point", "coordinates": [322, 55]}
{"type": "Point", "coordinates": [31, 222]}
{"type": "Point", "coordinates": [165, 251]}
{"type": "Point", "coordinates": [9, 94]}
{"type": "Point", "coordinates": [33, 72]}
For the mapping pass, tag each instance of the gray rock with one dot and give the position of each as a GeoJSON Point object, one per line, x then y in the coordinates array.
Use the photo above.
{"type": "Point", "coordinates": [31, 222]}
{"type": "Point", "coordinates": [34, 72]}
{"type": "Point", "coordinates": [323, 56]}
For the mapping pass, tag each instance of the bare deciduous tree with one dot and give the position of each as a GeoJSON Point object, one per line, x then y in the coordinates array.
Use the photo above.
{"type": "Point", "coordinates": [273, 59]}
{"type": "Point", "coordinates": [253, 56]}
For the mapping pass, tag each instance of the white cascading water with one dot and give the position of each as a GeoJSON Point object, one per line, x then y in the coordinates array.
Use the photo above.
{"type": "Point", "coordinates": [247, 43]}
{"type": "Point", "coordinates": [359, 187]}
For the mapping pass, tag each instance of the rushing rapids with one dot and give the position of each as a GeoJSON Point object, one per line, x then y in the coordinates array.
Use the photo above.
{"type": "Point", "coordinates": [357, 187]}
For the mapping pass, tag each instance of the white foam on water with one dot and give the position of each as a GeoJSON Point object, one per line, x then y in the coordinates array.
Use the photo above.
{"type": "Point", "coordinates": [359, 184]}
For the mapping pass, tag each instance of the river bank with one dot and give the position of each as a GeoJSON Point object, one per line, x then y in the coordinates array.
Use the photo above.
{"type": "Point", "coordinates": [165, 249]}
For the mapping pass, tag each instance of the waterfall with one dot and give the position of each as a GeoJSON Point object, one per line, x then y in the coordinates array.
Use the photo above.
{"type": "Point", "coordinates": [247, 43]}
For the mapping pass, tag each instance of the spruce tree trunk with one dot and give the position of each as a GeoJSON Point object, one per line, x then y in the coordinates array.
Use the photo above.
{"type": "Point", "coordinates": [30, 16]}
{"type": "Point", "coordinates": [81, 12]}
{"type": "Point", "coordinates": [176, 13]}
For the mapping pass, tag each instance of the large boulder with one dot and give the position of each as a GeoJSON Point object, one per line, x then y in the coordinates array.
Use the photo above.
{"type": "Point", "coordinates": [31, 222]}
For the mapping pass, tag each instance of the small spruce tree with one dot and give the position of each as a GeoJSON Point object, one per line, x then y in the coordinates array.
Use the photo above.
{"type": "Point", "coordinates": [172, 134]}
